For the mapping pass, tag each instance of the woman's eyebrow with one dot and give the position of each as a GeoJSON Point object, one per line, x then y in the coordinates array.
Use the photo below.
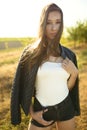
{"type": "Point", "coordinates": [52, 20]}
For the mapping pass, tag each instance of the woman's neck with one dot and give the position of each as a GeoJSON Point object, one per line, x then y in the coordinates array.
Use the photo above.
{"type": "Point", "coordinates": [55, 59]}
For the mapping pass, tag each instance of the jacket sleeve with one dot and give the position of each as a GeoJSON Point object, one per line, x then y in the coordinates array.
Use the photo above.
{"type": "Point", "coordinates": [74, 93]}
{"type": "Point", "coordinates": [16, 91]}
{"type": "Point", "coordinates": [15, 99]}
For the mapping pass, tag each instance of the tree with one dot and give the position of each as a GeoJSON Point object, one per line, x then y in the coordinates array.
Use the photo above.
{"type": "Point", "coordinates": [72, 35]}
{"type": "Point", "coordinates": [78, 33]}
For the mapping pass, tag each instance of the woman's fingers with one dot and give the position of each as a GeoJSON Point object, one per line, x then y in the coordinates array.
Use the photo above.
{"type": "Point", "coordinates": [44, 122]}
{"type": "Point", "coordinates": [65, 61]}
{"type": "Point", "coordinates": [39, 118]}
{"type": "Point", "coordinates": [69, 66]}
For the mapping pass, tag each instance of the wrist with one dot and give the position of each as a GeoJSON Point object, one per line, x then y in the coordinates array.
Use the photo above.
{"type": "Point", "coordinates": [31, 110]}
{"type": "Point", "coordinates": [75, 74]}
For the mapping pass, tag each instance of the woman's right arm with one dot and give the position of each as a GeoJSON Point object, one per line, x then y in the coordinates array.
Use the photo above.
{"type": "Point", "coordinates": [38, 116]}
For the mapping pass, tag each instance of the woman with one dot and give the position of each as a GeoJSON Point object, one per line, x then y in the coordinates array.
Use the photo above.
{"type": "Point", "coordinates": [48, 72]}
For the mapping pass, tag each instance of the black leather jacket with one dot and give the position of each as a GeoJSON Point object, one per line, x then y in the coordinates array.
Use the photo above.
{"type": "Point", "coordinates": [23, 87]}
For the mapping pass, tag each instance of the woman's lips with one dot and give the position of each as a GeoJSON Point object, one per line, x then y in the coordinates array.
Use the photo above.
{"type": "Point", "coordinates": [53, 34]}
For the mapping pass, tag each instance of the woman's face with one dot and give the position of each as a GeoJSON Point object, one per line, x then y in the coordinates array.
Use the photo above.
{"type": "Point", "coordinates": [53, 24]}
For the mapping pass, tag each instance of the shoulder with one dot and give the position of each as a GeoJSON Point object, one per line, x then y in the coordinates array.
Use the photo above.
{"type": "Point", "coordinates": [27, 53]}
{"type": "Point", "coordinates": [29, 49]}
{"type": "Point", "coordinates": [68, 51]}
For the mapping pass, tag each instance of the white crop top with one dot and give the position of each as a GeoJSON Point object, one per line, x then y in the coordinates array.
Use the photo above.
{"type": "Point", "coordinates": [51, 83]}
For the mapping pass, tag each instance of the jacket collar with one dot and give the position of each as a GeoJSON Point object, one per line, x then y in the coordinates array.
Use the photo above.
{"type": "Point", "coordinates": [62, 51]}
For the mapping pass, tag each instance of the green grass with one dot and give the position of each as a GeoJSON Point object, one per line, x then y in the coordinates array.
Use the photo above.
{"type": "Point", "coordinates": [17, 39]}
{"type": "Point", "coordinates": [25, 41]}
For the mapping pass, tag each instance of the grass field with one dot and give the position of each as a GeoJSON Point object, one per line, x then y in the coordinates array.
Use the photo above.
{"type": "Point", "coordinates": [8, 64]}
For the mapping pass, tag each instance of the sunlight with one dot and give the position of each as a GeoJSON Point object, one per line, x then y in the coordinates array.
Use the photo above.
{"type": "Point", "coordinates": [20, 18]}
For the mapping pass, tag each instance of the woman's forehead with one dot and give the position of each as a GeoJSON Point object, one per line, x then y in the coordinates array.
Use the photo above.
{"type": "Point", "coordinates": [54, 15]}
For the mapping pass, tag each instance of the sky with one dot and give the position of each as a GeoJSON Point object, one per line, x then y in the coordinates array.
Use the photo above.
{"type": "Point", "coordinates": [20, 18]}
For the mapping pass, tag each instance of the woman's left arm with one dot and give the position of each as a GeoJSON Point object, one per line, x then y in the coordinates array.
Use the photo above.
{"type": "Point", "coordinates": [71, 81]}
{"type": "Point", "coordinates": [69, 66]}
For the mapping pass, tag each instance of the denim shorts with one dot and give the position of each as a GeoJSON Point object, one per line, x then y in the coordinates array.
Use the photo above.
{"type": "Point", "coordinates": [59, 112]}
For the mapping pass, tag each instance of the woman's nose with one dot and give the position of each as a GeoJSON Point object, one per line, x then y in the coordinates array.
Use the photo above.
{"type": "Point", "coordinates": [54, 27]}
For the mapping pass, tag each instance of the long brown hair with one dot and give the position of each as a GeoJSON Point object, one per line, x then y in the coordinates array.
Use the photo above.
{"type": "Point", "coordinates": [43, 49]}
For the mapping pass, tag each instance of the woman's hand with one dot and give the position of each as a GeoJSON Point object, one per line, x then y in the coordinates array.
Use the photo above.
{"type": "Point", "coordinates": [38, 116]}
{"type": "Point", "coordinates": [69, 66]}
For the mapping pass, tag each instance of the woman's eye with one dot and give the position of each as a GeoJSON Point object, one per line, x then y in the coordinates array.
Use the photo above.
{"type": "Point", "coordinates": [58, 22]}
{"type": "Point", "coordinates": [48, 23]}
{"type": "Point", "coordinates": [55, 23]}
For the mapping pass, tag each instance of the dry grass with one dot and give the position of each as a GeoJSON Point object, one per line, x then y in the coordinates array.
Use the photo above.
{"type": "Point", "coordinates": [6, 76]}
{"type": "Point", "coordinates": [9, 56]}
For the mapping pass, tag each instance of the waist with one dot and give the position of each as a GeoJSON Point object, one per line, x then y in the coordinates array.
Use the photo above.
{"type": "Point", "coordinates": [56, 106]}
{"type": "Point", "coordinates": [52, 97]}
{"type": "Point", "coordinates": [38, 106]}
